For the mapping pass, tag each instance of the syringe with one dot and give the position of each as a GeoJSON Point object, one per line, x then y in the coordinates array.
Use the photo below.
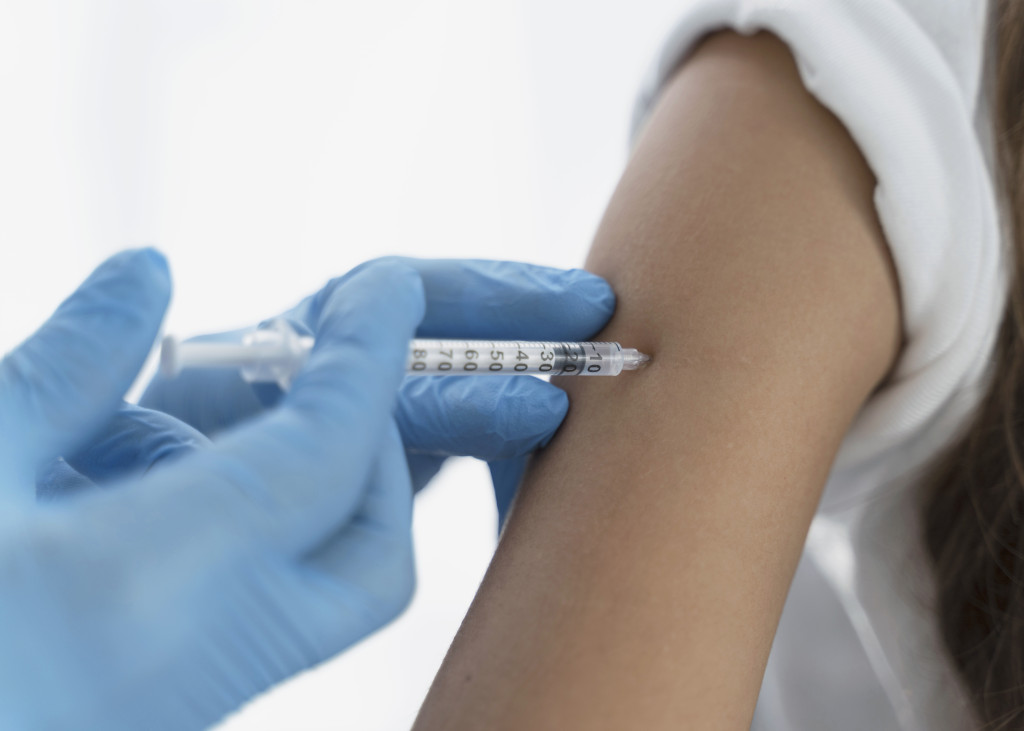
{"type": "Point", "coordinates": [276, 353]}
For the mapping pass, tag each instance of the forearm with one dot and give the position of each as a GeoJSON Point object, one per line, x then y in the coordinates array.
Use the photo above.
{"type": "Point", "coordinates": [641, 576]}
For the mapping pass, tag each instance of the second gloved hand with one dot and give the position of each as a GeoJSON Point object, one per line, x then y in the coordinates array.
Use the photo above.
{"type": "Point", "coordinates": [167, 599]}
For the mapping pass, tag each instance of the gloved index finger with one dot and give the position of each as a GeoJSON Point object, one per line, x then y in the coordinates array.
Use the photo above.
{"type": "Point", "coordinates": [293, 474]}
{"type": "Point", "coordinates": [499, 300]}
{"type": "Point", "coordinates": [481, 299]}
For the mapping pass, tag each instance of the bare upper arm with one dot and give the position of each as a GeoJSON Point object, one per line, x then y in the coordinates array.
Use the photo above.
{"type": "Point", "coordinates": [642, 572]}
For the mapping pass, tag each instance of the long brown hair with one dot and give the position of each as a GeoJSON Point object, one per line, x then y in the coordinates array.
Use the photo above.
{"type": "Point", "coordinates": [974, 493]}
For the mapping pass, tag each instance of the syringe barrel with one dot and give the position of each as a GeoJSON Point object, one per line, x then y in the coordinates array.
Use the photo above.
{"type": "Point", "coordinates": [512, 357]}
{"type": "Point", "coordinates": [276, 353]}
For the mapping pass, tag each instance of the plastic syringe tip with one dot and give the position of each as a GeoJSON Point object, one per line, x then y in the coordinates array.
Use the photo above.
{"type": "Point", "coordinates": [633, 359]}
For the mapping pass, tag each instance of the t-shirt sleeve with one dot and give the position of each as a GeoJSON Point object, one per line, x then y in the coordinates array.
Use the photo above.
{"type": "Point", "coordinates": [904, 77]}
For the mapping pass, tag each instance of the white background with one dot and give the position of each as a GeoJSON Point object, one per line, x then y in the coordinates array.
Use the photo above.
{"type": "Point", "coordinates": [265, 147]}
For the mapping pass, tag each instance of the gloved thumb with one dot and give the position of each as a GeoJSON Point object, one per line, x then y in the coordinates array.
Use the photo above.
{"type": "Point", "coordinates": [67, 379]}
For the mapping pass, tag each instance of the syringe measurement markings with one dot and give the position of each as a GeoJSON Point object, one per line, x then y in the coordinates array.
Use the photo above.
{"type": "Point", "coordinates": [277, 352]}
{"type": "Point", "coordinates": [453, 356]}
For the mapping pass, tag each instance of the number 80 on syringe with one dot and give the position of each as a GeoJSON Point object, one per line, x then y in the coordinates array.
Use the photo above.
{"type": "Point", "coordinates": [510, 357]}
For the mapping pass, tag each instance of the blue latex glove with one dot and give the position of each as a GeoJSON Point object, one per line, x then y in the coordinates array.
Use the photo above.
{"type": "Point", "coordinates": [131, 443]}
{"type": "Point", "coordinates": [167, 599]}
{"type": "Point", "coordinates": [500, 420]}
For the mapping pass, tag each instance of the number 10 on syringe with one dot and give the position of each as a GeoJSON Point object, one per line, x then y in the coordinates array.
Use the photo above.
{"type": "Point", "coordinates": [507, 357]}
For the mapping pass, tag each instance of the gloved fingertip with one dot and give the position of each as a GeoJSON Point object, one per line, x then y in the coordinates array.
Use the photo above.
{"type": "Point", "coordinates": [591, 288]}
{"type": "Point", "coordinates": [155, 257]}
{"type": "Point", "coordinates": [146, 263]}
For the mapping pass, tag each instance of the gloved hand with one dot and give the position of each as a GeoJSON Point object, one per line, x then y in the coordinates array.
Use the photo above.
{"type": "Point", "coordinates": [500, 420]}
{"type": "Point", "coordinates": [166, 599]}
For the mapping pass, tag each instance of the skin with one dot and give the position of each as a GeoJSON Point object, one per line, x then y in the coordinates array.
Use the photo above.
{"type": "Point", "coordinates": [641, 576]}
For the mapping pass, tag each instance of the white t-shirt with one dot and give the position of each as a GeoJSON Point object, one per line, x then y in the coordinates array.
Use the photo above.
{"type": "Point", "coordinates": [858, 646]}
